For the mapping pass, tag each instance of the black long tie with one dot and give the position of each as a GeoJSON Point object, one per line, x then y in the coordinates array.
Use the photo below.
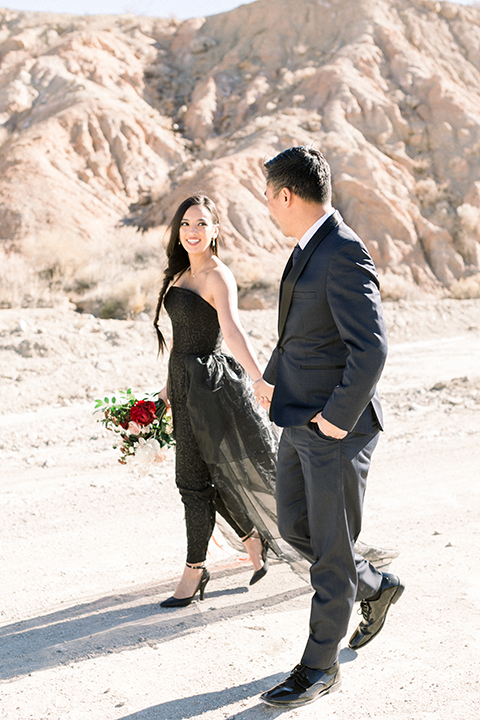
{"type": "Point", "coordinates": [296, 253]}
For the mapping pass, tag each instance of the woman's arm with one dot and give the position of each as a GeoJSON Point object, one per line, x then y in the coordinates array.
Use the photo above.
{"type": "Point", "coordinates": [163, 392]}
{"type": "Point", "coordinates": [163, 396]}
{"type": "Point", "coordinates": [223, 290]}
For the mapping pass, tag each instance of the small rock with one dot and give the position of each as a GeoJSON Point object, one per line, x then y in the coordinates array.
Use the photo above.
{"type": "Point", "coordinates": [22, 326]}
{"type": "Point", "coordinates": [103, 366]}
{"type": "Point", "coordinates": [113, 337]}
{"type": "Point", "coordinates": [415, 407]}
{"type": "Point", "coordinates": [24, 349]}
{"type": "Point", "coordinates": [40, 350]}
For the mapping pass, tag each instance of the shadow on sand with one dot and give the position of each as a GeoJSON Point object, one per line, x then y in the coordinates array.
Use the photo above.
{"type": "Point", "coordinates": [116, 623]}
{"type": "Point", "coordinates": [196, 705]}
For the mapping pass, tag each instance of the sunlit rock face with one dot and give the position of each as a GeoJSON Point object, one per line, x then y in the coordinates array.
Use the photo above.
{"type": "Point", "coordinates": [114, 119]}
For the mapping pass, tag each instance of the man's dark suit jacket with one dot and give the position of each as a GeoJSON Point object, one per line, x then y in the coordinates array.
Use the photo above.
{"type": "Point", "coordinates": [332, 341]}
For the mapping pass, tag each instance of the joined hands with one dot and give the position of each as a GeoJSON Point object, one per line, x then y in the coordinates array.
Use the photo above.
{"type": "Point", "coordinates": [263, 392]}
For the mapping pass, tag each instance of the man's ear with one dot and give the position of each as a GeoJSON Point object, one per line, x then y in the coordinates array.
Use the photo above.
{"type": "Point", "coordinates": [286, 196]}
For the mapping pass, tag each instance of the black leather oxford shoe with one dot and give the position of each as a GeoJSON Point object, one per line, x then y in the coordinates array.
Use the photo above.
{"type": "Point", "coordinates": [303, 686]}
{"type": "Point", "coordinates": [375, 611]}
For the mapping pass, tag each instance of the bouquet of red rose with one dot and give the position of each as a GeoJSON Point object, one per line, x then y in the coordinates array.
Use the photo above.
{"type": "Point", "coordinates": [144, 427]}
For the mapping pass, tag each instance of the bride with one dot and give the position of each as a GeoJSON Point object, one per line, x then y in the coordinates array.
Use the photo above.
{"type": "Point", "coordinates": [225, 445]}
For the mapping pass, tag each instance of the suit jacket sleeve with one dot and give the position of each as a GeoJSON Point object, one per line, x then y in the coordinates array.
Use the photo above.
{"type": "Point", "coordinates": [354, 299]}
{"type": "Point", "coordinates": [270, 372]}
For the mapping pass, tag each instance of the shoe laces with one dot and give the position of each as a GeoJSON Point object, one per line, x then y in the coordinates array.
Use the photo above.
{"type": "Point", "coordinates": [298, 674]}
{"type": "Point", "coordinates": [365, 610]}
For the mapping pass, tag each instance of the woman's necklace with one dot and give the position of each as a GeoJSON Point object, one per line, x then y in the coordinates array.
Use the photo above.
{"type": "Point", "coordinates": [200, 268]}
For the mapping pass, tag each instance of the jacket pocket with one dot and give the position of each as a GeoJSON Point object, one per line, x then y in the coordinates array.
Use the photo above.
{"type": "Point", "coordinates": [319, 433]}
{"type": "Point", "coordinates": [322, 367]}
{"type": "Point", "coordinates": [304, 294]}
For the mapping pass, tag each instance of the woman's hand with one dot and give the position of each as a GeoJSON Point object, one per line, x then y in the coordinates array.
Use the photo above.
{"type": "Point", "coordinates": [263, 392]}
{"type": "Point", "coordinates": [163, 396]}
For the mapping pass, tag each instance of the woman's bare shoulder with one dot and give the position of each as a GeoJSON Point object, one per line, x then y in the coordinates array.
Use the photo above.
{"type": "Point", "coordinates": [220, 274]}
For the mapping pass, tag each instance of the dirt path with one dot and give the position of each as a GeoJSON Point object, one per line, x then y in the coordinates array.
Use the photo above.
{"type": "Point", "coordinates": [87, 550]}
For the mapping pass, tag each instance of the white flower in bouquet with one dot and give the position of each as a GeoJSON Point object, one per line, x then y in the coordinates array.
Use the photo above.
{"type": "Point", "coordinates": [146, 454]}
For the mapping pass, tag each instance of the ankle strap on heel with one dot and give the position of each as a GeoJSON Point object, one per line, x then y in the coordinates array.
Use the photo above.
{"type": "Point", "coordinates": [253, 533]}
{"type": "Point", "coordinates": [200, 566]}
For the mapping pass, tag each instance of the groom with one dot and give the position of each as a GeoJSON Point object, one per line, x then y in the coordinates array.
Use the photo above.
{"type": "Point", "coordinates": [320, 385]}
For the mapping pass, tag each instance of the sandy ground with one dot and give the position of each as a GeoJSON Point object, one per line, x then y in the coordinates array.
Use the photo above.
{"type": "Point", "coordinates": [88, 550]}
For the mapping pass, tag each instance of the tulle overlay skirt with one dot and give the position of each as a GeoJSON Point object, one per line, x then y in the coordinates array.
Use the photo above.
{"type": "Point", "coordinates": [238, 443]}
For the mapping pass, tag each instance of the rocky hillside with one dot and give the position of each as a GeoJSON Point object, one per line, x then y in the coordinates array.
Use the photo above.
{"type": "Point", "coordinates": [109, 121]}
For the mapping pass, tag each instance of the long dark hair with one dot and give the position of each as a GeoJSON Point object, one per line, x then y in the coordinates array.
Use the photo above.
{"type": "Point", "coordinates": [177, 256]}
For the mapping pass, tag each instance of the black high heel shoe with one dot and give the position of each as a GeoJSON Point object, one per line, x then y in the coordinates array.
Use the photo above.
{"type": "Point", "coordinates": [173, 602]}
{"type": "Point", "coordinates": [259, 574]}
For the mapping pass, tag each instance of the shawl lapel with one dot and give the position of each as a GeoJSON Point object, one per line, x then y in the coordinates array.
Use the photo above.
{"type": "Point", "coordinates": [291, 274]}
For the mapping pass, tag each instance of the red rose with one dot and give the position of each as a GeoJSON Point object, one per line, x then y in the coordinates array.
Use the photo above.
{"type": "Point", "coordinates": [143, 412]}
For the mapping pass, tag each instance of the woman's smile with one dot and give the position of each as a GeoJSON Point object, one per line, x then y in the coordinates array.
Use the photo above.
{"type": "Point", "coordinates": [197, 229]}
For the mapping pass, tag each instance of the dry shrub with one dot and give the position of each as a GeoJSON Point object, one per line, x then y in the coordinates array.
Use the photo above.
{"type": "Point", "coordinates": [467, 239]}
{"type": "Point", "coordinates": [428, 192]}
{"type": "Point", "coordinates": [262, 271]}
{"type": "Point", "coordinates": [12, 279]}
{"type": "Point", "coordinates": [243, 267]}
{"type": "Point", "coordinates": [126, 295]}
{"type": "Point", "coordinates": [55, 255]}
{"type": "Point", "coordinates": [469, 218]}
{"type": "Point", "coordinates": [422, 165]}
{"type": "Point", "coordinates": [114, 276]}
{"type": "Point", "coordinates": [258, 278]}
{"type": "Point", "coordinates": [36, 275]}
{"type": "Point", "coordinates": [466, 288]}
{"type": "Point", "coordinates": [397, 287]}
{"type": "Point", "coordinates": [123, 275]}
{"type": "Point", "coordinates": [117, 275]}
{"type": "Point", "coordinates": [21, 285]}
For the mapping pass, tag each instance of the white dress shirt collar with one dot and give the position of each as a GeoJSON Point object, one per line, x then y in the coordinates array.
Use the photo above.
{"type": "Point", "coordinates": [313, 229]}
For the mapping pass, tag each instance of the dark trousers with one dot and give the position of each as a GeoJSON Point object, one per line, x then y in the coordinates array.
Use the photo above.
{"type": "Point", "coordinates": [320, 490]}
{"type": "Point", "coordinates": [200, 497]}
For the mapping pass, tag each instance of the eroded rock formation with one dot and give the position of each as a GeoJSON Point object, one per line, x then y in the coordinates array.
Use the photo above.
{"type": "Point", "coordinates": [114, 119]}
